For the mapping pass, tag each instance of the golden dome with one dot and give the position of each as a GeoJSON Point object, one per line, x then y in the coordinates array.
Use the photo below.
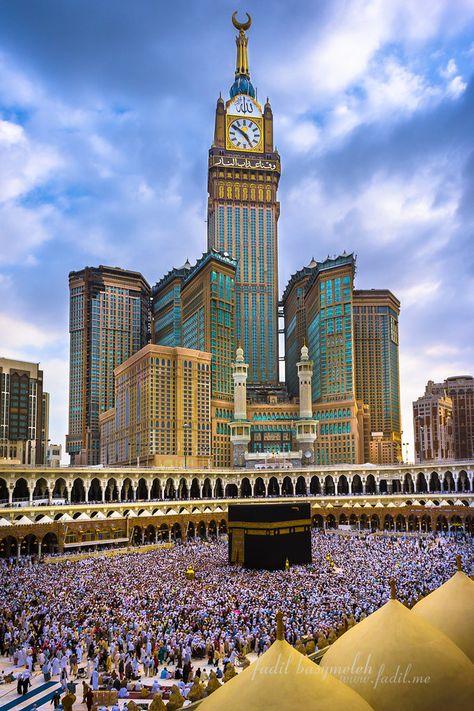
{"type": "Point", "coordinates": [284, 679]}
{"type": "Point", "coordinates": [397, 660]}
{"type": "Point", "coordinates": [450, 608]}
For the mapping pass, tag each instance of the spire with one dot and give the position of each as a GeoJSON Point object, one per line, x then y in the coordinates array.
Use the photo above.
{"type": "Point", "coordinates": [242, 63]}
{"type": "Point", "coordinates": [242, 83]}
{"type": "Point", "coordinates": [280, 628]}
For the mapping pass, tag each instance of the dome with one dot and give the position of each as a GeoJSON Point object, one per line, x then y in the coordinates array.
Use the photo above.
{"type": "Point", "coordinates": [450, 608]}
{"type": "Point", "coordinates": [284, 679]}
{"type": "Point", "coordinates": [242, 85]}
{"type": "Point", "coordinates": [396, 660]}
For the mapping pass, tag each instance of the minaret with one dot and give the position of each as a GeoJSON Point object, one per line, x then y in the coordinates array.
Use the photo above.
{"type": "Point", "coordinates": [239, 427]}
{"type": "Point", "coordinates": [306, 427]}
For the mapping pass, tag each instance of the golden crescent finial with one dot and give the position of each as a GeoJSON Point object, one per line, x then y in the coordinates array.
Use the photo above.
{"type": "Point", "coordinates": [241, 26]}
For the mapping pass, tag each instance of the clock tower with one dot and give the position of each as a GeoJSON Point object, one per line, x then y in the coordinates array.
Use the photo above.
{"type": "Point", "coordinates": [243, 211]}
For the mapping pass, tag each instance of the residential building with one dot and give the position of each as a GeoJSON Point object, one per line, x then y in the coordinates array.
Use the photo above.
{"type": "Point", "coordinates": [24, 413]}
{"type": "Point", "coordinates": [208, 316]}
{"type": "Point", "coordinates": [162, 413]}
{"type": "Point", "coordinates": [433, 425]}
{"type": "Point", "coordinates": [53, 455]}
{"type": "Point", "coordinates": [166, 307]}
{"type": "Point", "coordinates": [109, 321]}
{"type": "Point", "coordinates": [376, 368]}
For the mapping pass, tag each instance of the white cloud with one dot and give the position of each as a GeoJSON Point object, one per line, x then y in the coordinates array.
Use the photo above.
{"type": "Point", "coordinates": [21, 338]}
{"type": "Point", "coordinates": [418, 294]}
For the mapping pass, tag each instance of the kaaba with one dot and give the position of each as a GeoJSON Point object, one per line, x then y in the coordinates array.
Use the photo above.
{"type": "Point", "coordinates": [265, 536]}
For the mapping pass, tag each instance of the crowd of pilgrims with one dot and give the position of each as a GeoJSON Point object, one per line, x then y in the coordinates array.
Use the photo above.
{"type": "Point", "coordinates": [137, 614]}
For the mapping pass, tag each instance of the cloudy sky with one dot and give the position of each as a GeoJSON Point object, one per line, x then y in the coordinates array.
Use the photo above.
{"type": "Point", "coordinates": [106, 116]}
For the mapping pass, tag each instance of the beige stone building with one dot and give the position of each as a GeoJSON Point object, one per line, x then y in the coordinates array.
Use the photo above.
{"type": "Point", "coordinates": [162, 413]}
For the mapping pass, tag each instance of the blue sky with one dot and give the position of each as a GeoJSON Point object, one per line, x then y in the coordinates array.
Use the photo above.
{"type": "Point", "coordinates": [106, 117]}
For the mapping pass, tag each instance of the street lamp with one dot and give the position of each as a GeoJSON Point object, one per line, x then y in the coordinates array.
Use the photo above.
{"type": "Point", "coordinates": [186, 426]}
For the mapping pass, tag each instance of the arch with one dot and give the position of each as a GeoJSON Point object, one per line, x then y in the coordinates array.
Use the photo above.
{"type": "Point", "coordinates": [408, 486]}
{"type": "Point", "coordinates": [190, 531]}
{"type": "Point", "coordinates": [95, 490]}
{"type": "Point", "coordinates": [412, 522]}
{"type": "Point", "coordinates": [317, 521]}
{"type": "Point", "coordinates": [353, 520]}
{"type": "Point", "coordinates": [343, 521]}
{"type": "Point", "coordinates": [176, 532]}
{"type": "Point", "coordinates": [287, 487]}
{"type": "Point", "coordinates": [370, 485]}
{"type": "Point", "coordinates": [137, 535]}
{"type": "Point", "coordinates": [150, 533]}
{"type": "Point", "coordinates": [183, 491]}
{"type": "Point", "coordinates": [425, 523]}
{"type": "Point", "coordinates": [212, 529]}
{"type": "Point", "coordinates": [383, 486]}
{"type": "Point", "coordinates": [50, 543]}
{"type": "Point", "coordinates": [396, 486]}
{"type": "Point", "coordinates": [41, 490]}
{"type": "Point", "coordinates": [421, 485]}
{"type": "Point", "coordinates": [29, 545]}
{"type": "Point", "coordinates": [8, 547]}
{"type": "Point", "coordinates": [245, 488]}
{"type": "Point", "coordinates": [259, 487]}
{"type": "Point", "coordinates": [331, 521]}
{"type": "Point", "coordinates": [231, 491]}
{"type": "Point", "coordinates": [163, 532]}
{"type": "Point", "coordinates": [3, 491]}
{"type": "Point", "coordinates": [455, 524]}
{"type": "Point", "coordinates": [126, 493]}
{"type": "Point", "coordinates": [195, 491]}
{"type": "Point", "coordinates": [111, 490]}
{"type": "Point", "coordinates": [329, 488]}
{"type": "Point", "coordinates": [222, 526]}
{"type": "Point", "coordinates": [219, 489]}
{"type": "Point", "coordinates": [207, 489]}
{"type": "Point", "coordinates": [156, 491]}
{"type": "Point", "coordinates": [442, 523]}
{"type": "Point", "coordinates": [315, 486]}
{"type": "Point", "coordinates": [435, 484]}
{"type": "Point", "coordinates": [201, 530]}
{"type": "Point", "coordinates": [273, 487]}
{"type": "Point", "coordinates": [300, 489]}
{"type": "Point", "coordinates": [142, 490]}
{"type": "Point", "coordinates": [78, 492]}
{"type": "Point", "coordinates": [357, 487]}
{"type": "Point", "coordinates": [342, 484]}
{"type": "Point", "coordinates": [400, 523]}
{"type": "Point", "coordinates": [463, 482]}
{"type": "Point", "coordinates": [364, 521]}
{"type": "Point", "coordinates": [388, 523]}
{"type": "Point", "coordinates": [21, 492]}
{"type": "Point", "coordinates": [448, 482]}
{"type": "Point", "coordinates": [374, 522]}
{"type": "Point", "coordinates": [170, 490]}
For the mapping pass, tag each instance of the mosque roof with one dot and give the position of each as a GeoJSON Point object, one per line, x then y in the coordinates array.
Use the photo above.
{"type": "Point", "coordinates": [450, 608]}
{"type": "Point", "coordinates": [284, 679]}
{"type": "Point", "coordinates": [374, 656]}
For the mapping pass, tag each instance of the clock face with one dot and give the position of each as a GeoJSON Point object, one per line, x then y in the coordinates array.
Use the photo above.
{"type": "Point", "coordinates": [244, 134]}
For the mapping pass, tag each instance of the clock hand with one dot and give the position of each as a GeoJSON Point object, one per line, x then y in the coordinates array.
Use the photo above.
{"type": "Point", "coordinates": [244, 134]}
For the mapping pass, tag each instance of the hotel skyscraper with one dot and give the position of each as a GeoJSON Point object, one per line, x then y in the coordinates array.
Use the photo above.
{"type": "Point", "coordinates": [376, 365]}
{"type": "Point", "coordinates": [243, 211]}
{"type": "Point", "coordinates": [108, 322]}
